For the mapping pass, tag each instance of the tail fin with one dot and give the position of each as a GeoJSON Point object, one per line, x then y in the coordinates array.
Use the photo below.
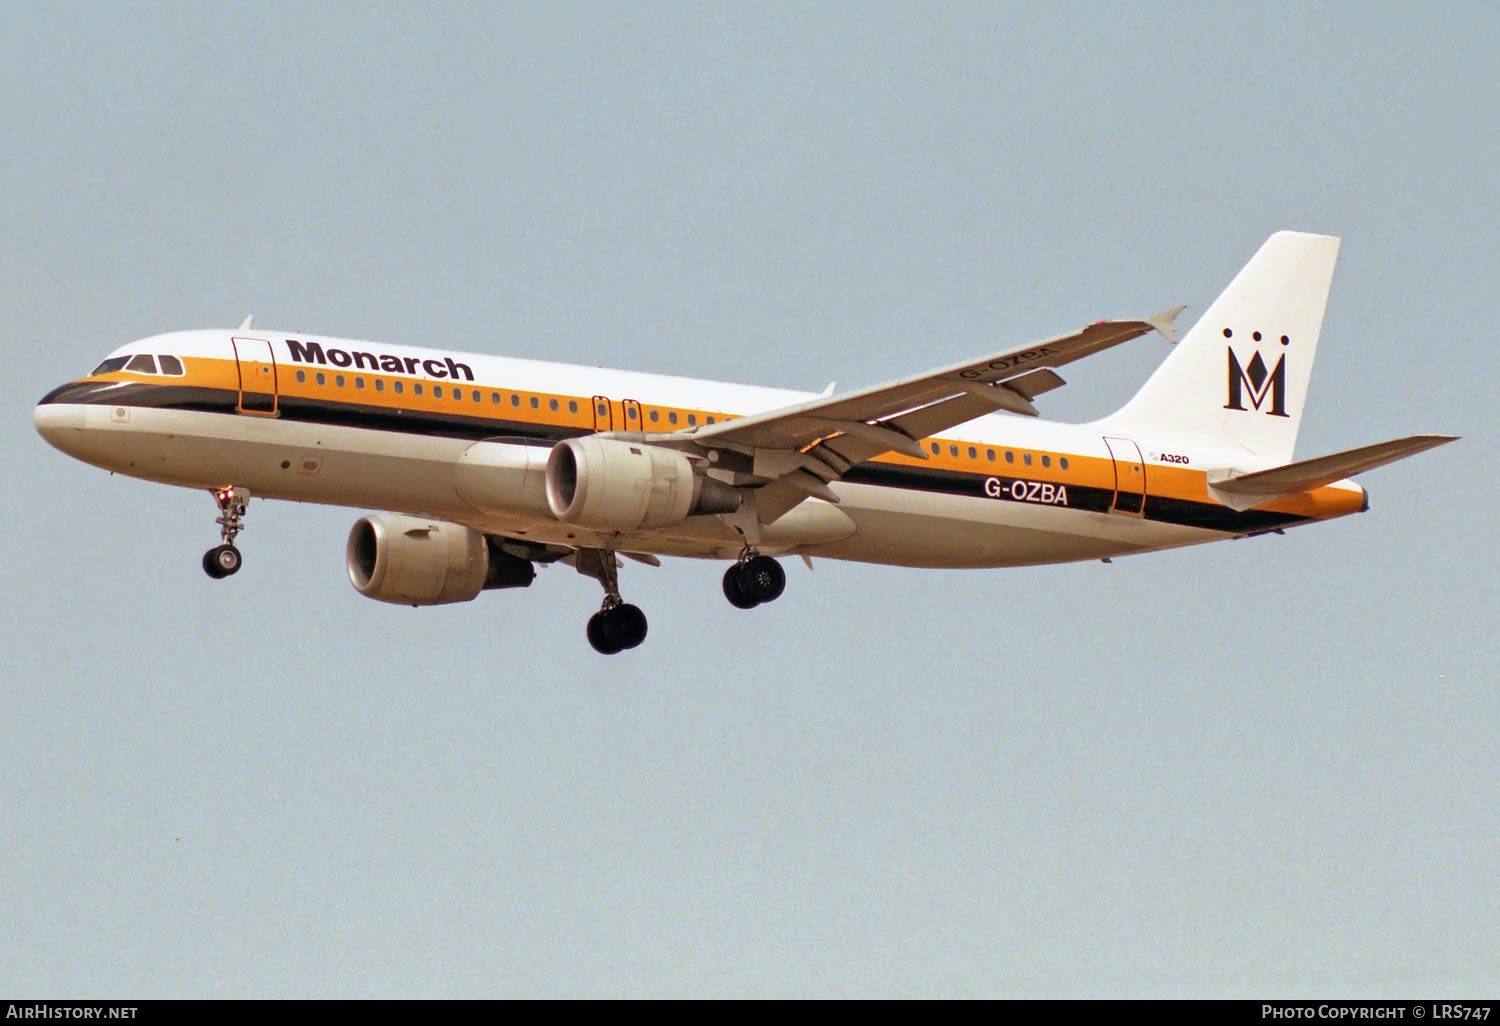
{"type": "Point", "coordinates": [1240, 375]}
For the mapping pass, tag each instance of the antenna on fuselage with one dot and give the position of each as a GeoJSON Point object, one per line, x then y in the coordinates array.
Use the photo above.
{"type": "Point", "coordinates": [246, 325]}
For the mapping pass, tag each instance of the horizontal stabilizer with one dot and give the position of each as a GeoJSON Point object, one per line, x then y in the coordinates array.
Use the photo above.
{"type": "Point", "coordinates": [1309, 474]}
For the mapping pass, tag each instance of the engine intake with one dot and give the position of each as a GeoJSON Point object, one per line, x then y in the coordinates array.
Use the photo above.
{"type": "Point", "coordinates": [419, 562]}
{"type": "Point", "coordinates": [612, 485]}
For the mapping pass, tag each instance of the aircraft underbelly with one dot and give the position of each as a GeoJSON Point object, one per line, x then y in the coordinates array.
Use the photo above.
{"type": "Point", "coordinates": [905, 528]}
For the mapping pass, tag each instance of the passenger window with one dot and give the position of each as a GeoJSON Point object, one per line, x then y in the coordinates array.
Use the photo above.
{"type": "Point", "coordinates": [399, 387]}
{"type": "Point", "coordinates": [1046, 461]}
{"type": "Point", "coordinates": [672, 417]}
{"type": "Point", "coordinates": [515, 400]}
{"type": "Point", "coordinates": [321, 378]}
{"type": "Point", "coordinates": [437, 391]}
{"type": "Point", "coordinates": [952, 450]}
{"type": "Point", "coordinates": [416, 388]}
{"type": "Point", "coordinates": [302, 377]}
{"type": "Point", "coordinates": [1026, 458]}
{"type": "Point", "coordinates": [476, 397]}
{"type": "Point", "coordinates": [936, 448]}
{"type": "Point", "coordinates": [710, 418]}
{"type": "Point", "coordinates": [552, 404]}
{"type": "Point", "coordinates": [572, 405]}
{"type": "Point", "coordinates": [536, 404]}
{"type": "Point", "coordinates": [1010, 457]}
{"type": "Point", "coordinates": [973, 453]}
{"type": "Point", "coordinates": [379, 385]}
{"type": "Point", "coordinates": [692, 420]}
{"type": "Point", "coordinates": [1063, 462]}
{"type": "Point", "coordinates": [495, 398]}
{"type": "Point", "coordinates": [655, 416]}
{"type": "Point", "coordinates": [111, 365]}
{"type": "Point", "coordinates": [359, 383]}
{"type": "Point", "coordinates": [171, 365]}
{"type": "Point", "coordinates": [142, 364]}
{"type": "Point", "coordinates": [989, 454]}
{"type": "Point", "coordinates": [338, 379]}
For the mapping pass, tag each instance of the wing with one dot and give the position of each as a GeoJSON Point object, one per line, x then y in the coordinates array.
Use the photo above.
{"type": "Point", "coordinates": [795, 451]}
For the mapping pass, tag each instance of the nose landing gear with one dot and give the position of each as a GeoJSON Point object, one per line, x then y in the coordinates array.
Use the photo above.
{"type": "Point", "coordinates": [223, 560]}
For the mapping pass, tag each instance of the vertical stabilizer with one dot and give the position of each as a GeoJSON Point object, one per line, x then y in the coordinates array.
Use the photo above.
{"type": "Point", "coordinates": [1240, 375]}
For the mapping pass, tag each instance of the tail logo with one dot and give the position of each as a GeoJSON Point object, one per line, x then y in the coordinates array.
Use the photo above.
{"type": "Point", "coordinates": [1258, 382]}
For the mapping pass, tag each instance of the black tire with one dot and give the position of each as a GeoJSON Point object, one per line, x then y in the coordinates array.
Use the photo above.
{"type": "Point", "coordinates": [221, 561]}
{"type": "Point", "coordinates": [735, 591]}
{"type": "Point", "coordinates": [600, 636]}
{"type": "Point", "coordinates": [626, 625]}
{"type": "Point", "coordinates": [764, 579]}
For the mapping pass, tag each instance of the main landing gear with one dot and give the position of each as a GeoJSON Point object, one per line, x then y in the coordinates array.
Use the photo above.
{"type": "Point", "coordinates": [618, 625]}
{"type": "Point", "coordinates": [753, 580]}
{"type": "Point", "coordinates": [223, 560]}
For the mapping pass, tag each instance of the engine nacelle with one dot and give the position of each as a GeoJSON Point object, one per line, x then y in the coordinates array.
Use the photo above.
{"type": "Point", "coordinates": [419, 562]}
{"type": "Point", "coordinates": [611, 485]}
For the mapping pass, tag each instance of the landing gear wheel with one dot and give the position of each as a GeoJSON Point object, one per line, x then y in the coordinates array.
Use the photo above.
{"type": "Point", "coordinates": [627, 624]}
{"type": "Point", "coordinates": [759, 579]}
{"type": "Point", "coordinates": [617, 628]}
{"type": "Point", "coordinates": [221, 561]}
{"type": "Point", "coordinates": [599, 636]}
{"type": "Point", "coordinates": [765, 579]}
{"type": "Point", "coordinates": [734, 588]}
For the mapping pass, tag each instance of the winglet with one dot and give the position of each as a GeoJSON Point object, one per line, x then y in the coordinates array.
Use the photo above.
{"type": "Point", "coordinates": [1163, 322]}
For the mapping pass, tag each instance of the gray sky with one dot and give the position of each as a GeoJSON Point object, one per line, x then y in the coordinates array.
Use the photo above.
{"type": "Point", "coordinates": [1264, 767]}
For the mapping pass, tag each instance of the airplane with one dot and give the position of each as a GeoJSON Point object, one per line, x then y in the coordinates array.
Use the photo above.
{"type": "Point", "coordinates": [484, 467]}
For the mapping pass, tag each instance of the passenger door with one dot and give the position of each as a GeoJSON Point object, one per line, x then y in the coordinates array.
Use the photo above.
{"type": "Point", "coordinates": [257, 375]}
{"type": "Point", "coordinates": [1130, 477]}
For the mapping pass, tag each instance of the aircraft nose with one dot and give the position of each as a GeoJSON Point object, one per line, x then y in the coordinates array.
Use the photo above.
{"type": "Point", "coordinates": [61, 419]}
{"type": "Point", "coordinates": [55, 422]}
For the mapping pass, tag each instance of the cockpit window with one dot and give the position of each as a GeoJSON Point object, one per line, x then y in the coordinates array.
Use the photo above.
{"type": "Point", "coordinates": [170, 365]}
{"type": "Point", "coordinates": [111, 365]}
{"type": "Point", "coordinates": [142, 363]}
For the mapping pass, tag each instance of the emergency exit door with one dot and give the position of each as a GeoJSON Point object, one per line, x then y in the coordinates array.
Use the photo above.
{"type": "Point", "coordinates": [604, 416]}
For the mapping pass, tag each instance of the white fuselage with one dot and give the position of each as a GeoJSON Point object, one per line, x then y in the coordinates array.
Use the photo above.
{"type": "Point", "coordinates": [369, 425]}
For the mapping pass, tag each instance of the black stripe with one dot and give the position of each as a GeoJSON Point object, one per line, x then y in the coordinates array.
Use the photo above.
{"type": "Point", "coordinates": [1215, 517]}
{"type": "Point", "coordinates": [167, 397]}
{"type": "Point", "coordinates": [1182, 512]}
{"type": "Point", "coordinates": [311, 411]}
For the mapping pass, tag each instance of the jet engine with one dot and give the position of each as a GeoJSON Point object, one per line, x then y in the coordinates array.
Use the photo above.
{"type": "Point", "coordinates": [607, 484]}
{"type": "Point", "coordinates": [419, 562]}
